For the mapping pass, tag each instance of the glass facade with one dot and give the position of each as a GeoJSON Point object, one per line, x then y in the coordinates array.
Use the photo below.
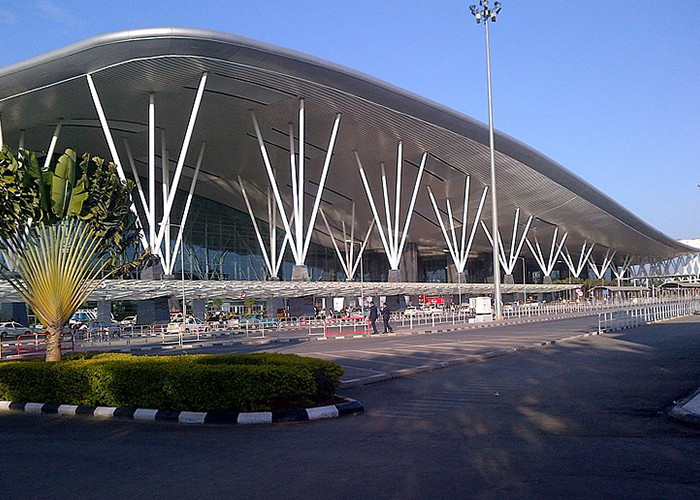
{"type": "Point", "coordinates": [220, 244]}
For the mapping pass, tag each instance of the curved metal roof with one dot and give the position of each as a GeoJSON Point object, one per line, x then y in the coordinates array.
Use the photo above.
{"type": "Point", "coordinates": [247, 74]}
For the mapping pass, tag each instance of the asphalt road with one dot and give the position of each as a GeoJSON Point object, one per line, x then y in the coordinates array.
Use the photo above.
{"type": "Point", "coordinates": [582, 419]}
{"type": "Point", "coordinates": [368, 359]}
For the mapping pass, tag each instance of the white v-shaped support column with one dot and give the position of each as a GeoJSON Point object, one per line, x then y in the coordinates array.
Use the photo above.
{"type": "Point", "coordinates": [600, 271]}
{"type": "Point", "coordinates": [348, 260]}
{"type": "Point", "coordinates": [459, 249]}
{"type": "Point", "coordinates": [577, 268]}
{"type": "Point", "coordinates": [52, 145]}
{"type": "Point", "coordinates": [298, 242]}
{"type": "Point", "coordinates": [272, 257]}
{"type": "Point", "coordinates": [623, 268]}
{"type": "Point", "coordinates": [508, 262]}
{"type": "Point", "coordinates": [183, 221]}
{"type": "Point", "coordinates": [180, 162]}
{"type": "Point", "coordinates": [547, 266]}
{"type": "Point", "coordinates": [393, 239]}
{"type": "Point", "coordinates": [115, 155]}
{"type": "Point", "coordinates": [137, 180]}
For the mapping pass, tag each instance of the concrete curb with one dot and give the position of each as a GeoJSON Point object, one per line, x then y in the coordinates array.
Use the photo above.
{"type": "Point", "coordinates": [471, 358]}
{"type": "Point", "coordinates": [687, 410]}
{"type": "Point", "coordinates": [349, 407]}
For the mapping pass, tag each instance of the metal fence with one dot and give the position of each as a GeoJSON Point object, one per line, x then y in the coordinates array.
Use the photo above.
{"type": "Point", "coordinates": [612, 321]}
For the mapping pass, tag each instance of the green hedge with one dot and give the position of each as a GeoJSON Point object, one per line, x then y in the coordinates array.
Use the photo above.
{"type": "Point", "coordinates": [237, 382]}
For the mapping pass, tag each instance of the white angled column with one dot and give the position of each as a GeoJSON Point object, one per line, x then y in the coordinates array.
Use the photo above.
{"type": "Point", "coordinates": [508, 261]}
{"type": "Point", "coordinates": [165, 178]}
{"type": "Point", "coordinates": [52, 145]}
{"type": "Point", "coordinates": [185, 213]}
{"type": "Point", "coordinates": [137, 179]}
{"type": "Point", "coordinates": [181, 160]}
{"type": "Point", "coordinates": [599, 271]}
{"type": "Point", "coordinates": [348, 259]}
{"type": "Point", "coordinates": [152, 168]}
{"type": "Point", "coordinates": [113, 151]}
{"type": "Point", "coordinates": [577, 268]}
{"type": "Point", "coordinates": [547, 265]}
{"type": "Point", "coordinates": [620, 271]}
{"type": "Point", "coordinates": [299, 234]}
{"type": "Point", "coordinates": [272, 256]}
{"type": "Point", "coordinates": [392, 236]}
{"type": "Point", "coordinates": [459, 247]}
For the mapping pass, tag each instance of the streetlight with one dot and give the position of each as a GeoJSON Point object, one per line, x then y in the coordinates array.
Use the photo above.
{"type": "Point", "coordinates": [486, 14]}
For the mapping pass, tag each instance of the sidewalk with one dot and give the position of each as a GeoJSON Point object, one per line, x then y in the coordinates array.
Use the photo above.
{"type": "Point", "coordinates": [688, 410]}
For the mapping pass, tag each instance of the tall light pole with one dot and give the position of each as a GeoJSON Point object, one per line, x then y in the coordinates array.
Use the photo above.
{"type": "Point", "coordinates": [486, 14]}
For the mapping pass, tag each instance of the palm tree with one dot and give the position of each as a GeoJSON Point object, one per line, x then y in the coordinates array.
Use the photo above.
{"type": "Point", "coordinates": [63, 231]}
{"type": "Point", "coordinates": [55, 268]}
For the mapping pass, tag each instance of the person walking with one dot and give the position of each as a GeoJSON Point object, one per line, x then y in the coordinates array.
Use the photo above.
{"type": "Point", "coordinates": [386, 316]}
{"type": "Point", "coordinates": [373, 316]}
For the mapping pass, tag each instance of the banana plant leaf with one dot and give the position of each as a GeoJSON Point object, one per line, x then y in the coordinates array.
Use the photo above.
{"type": "Point", "coordinates": [63, 182]}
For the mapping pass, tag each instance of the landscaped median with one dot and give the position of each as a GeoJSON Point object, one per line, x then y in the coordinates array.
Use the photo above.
{"type": "Point", "coordinates": [228, 387]}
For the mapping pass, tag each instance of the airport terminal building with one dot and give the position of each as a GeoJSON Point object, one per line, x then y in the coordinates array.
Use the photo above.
{"type": "Point", "coordinates": [265, 165]}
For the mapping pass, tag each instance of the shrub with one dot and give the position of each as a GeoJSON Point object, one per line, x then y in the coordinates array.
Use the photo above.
{"type": "Point", "coordinates": [240, 382]}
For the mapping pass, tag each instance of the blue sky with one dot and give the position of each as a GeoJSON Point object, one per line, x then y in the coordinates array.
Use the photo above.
{"type": "Point", "coordinates": [609, 89]}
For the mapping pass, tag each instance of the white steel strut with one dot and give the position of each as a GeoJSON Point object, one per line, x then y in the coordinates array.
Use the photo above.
{"type": "Point", "coordinates": [272, 257]}
{"type": "Point", "coordinates": [180, 161]}
{"type": "Point", "coordinates": [577, 268]}
{"type": "Point", "coordinates": [599, 271]}
{"type": "Point", "coordinates": [185, 213]}
{"type": "Point", "coordinates": [113, 151]}
{"type": "Point", "coordinates": [621, 270]}
{"type": "Point", "coordinates": [509, 261]}
{"type": "Point", "coordinates": [298, 242]}
{"type": "Point", "coordinates": [459, 249]}
{"type": "Point", "coordinates": [137, 179]}
{"type": "Point", "coordinates": [348, 260]}
{"type": "Point", "coordinates": [52, 145]}
{"type": "Point", "coordinates": [393, 239]}
{"type": "Point", "coordinates": [547, 266]}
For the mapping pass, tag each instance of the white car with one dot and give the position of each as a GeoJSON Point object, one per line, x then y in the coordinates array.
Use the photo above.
{"type": "Point", "coordinates": [10, 329]}
{"type": "Point", "coordinates": [194, 325]}
{"type": "Point", "coordinates": [410, 311]}
{"type": "Point", "coordinates": [128, 321]}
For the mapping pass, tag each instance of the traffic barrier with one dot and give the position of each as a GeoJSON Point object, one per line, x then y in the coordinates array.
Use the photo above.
{"type": "Point", "coordinates": [345, 326]}
{"type": "Point", "coordinates": [35, 344]}
{"type": "Point", "coordinates": [613, 321]}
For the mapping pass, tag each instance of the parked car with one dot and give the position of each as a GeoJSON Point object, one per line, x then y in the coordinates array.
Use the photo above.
{"type": "Point", "coordinates": [192, 325]}
{"type": "Point", "coordinates": [82, 318]}
{"type": "Point", "coordinates": [10, 329]}
{"type": "Point", "coordinates": [129, 321]}
{"type": "Point", "coordinates": [410, 311]}
{"type": "Point", "coordinates": [258, 321]}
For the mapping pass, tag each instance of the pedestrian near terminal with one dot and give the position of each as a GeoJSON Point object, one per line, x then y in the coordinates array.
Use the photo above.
{"type": "Point", "coordinates": [373, 316]}
{"type": "Point", "coordinates": [386, 316]}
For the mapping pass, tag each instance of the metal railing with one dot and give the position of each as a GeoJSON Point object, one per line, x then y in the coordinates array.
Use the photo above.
{"type": "Point", "coordinates": [612, 321]}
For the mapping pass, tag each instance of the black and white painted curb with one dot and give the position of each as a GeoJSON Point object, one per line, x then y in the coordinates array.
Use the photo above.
{"type": "Point", "coordinates": [349, 407]}
{"type": "Point", "coordinates": [688, 410]}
